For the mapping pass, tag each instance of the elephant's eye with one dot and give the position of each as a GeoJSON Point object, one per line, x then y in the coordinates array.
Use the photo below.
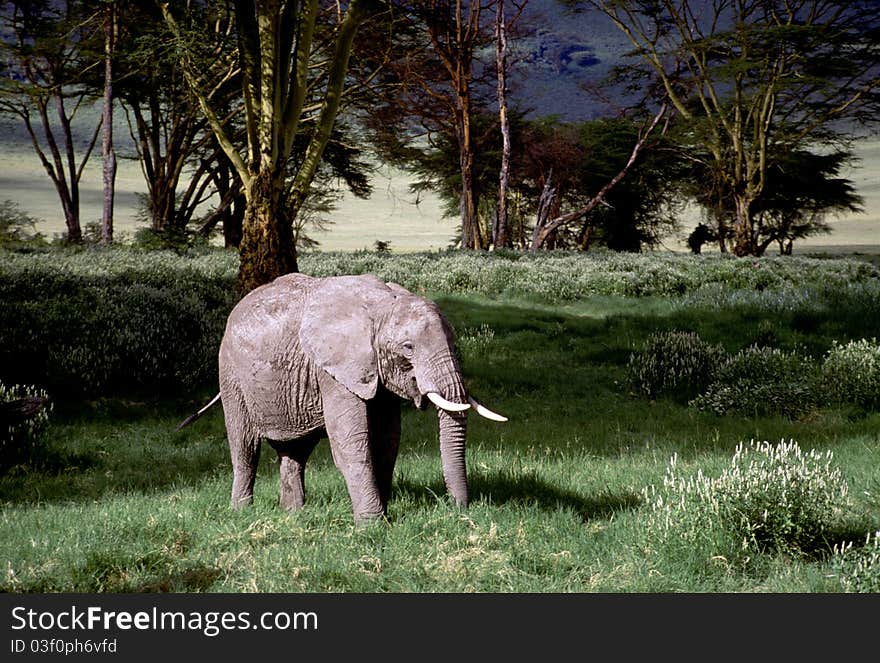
{"type": "Point", "coordinates": [407, 348]}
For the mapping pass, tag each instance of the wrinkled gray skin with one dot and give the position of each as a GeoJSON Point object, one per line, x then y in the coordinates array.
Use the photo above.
{"type": "Point", "coordinates": [303, 358]}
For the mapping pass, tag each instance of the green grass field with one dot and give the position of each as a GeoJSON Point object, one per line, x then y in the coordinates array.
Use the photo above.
{"type": "Point", "coordinates": [120, 502]}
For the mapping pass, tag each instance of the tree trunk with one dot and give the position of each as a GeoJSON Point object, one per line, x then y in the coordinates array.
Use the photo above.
{"type": "Point", "coordinates": [501, 236]}
{"type": "Point", "coordinates": [722, 233]}
{"type": "Point", "coordinates": [233, 223]}
{"type": "Point", "coordinates": [743, 240]}
{"type": "Point", "coordinates": [107, 152]}
{"type": "Point", "coordinates": [545, 205]}
{"type": "Point", "coordinates": [229, 188]}
{"type": "Point", "coordinates": [267, 250]}
{"type": "Point", "coordinates": [65, 177]}
{"type": "Point", "coordinates": [470, 228]}
{"type": "Point", "coordinates": [71, 219]}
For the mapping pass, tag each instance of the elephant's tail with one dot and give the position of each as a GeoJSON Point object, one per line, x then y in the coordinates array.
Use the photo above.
{"type": "Point", "coordinates": [191, 418]}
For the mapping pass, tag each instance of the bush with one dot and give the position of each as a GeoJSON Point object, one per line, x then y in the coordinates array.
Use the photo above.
{"type": "Point", "coordinates": [560, 276]}
{"type": "Point", "coordinates": [851, 373]}
{"type": "Point", "coordinates": [676, 362]}
{"type": "Point", "coordinates": [173, 239]}
{"type": "Point", "coordinates": [18, 229]}
{"type": "Point", "coordinates": [762, 381]}
{"type": "Point", "coordinates": [94, 322]}
{"type": "Point", "coordinates": [859, 568]}
{"type": "Point", "coordinates": [772, 498]}
{"type": "Point", "coordinates": [21, 441]}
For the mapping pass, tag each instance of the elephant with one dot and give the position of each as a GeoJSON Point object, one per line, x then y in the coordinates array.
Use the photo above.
{"type": "Point", "coordinates": [303, 358]}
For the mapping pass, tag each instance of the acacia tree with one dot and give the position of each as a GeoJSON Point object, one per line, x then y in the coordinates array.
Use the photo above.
{"type": "Point", "coordinates": [437, 98]}
{"type": "Point", "coordinates": [803, 189]}
{"type": "Point", "coordinates": [46, 49]}
{"type": "Point", "coordinates": [293, 70]}
{"type": "Point", "coordinates": [501, 231]}
{"type": "Point", "coordinates": [456, 31]}
{"type": "Point", "coordinates": [755, 79]}
{"type": "Point", "coordinates": [181, 161]}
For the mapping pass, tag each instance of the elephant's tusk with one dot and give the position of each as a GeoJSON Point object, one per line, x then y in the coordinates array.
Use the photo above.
{"type": "Point", "coordinates": [443, 404]}
{"type": "Point", "coordinates": [483, 411]}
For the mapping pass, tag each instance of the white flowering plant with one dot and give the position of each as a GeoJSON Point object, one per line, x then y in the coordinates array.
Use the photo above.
{"type": "Point", "coordinates": [21, 438]}
{"type": "Point", "coordinates": [772, 498]}
{"type": "Point", "coordinates": [858, 567]}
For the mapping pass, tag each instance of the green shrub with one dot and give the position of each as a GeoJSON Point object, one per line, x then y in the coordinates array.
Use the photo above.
{"type": "Point", "coordinates": [18, 229]}
{"type": "Point", "coordinates": [94, 322]}
{"type": "Point", "coordinates": [558, 276]}
{"type": "Point", "coordinates": [851, 373]}
{"type": "Point", "coordinates": [21, 441]}
{"type": "Point", "coordinates": [858, 568]}
{"type": "Point", "coordinates": [97, 320]}
{"type": "Point", "coordinates": [772, 498]}
{"type": "Point", "coordinates": [762, 381]}
{"type": "Point", "coordinates": [169, 239]}
{"type": "Point", "coordinates": [674, 362]}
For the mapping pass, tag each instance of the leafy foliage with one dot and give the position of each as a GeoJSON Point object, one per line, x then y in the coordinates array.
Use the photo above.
{"type": "Point", "coordinates": [561, 276]}
{"type": "Point", "coordinates": [675, 362]}
{"type": "Point", "coordinates": [17, 227]}
{"type": "Point", "coordinates": [578, 158]}
{"type": "Point", "coordinates": [100, 321]}
{"type": "Point", "coordinates": [94, 322]}
{"type": "Point", "coordinates": [851, 372]}
{"type": "Point", "coordinates": [760, 380]}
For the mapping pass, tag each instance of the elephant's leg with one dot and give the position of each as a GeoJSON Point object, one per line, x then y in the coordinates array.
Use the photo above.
{"type": "Point", "coordinates": [292, 458]}
{"type": "Point", "coordinates": [384, 418]}
{"type": "Point", "coordinates": [346, 422]}
{"type": "Point", "coordinates": [244, 450]}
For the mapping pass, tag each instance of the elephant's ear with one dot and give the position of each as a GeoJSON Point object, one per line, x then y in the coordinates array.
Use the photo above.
{"type": "Point", "coordinates": [337, 333]}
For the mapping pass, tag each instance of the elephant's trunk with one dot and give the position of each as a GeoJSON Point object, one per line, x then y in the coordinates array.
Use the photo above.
{"type": "Point", "coordinates": [453, 431]}
{"type": "Point", "coordinates": [446, 381]}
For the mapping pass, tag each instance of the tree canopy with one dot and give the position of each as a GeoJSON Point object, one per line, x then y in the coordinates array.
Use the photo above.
{"type": "Point", "coordinates": [256, 106]}
{"type": "Point", "coordinates": [755, 80]}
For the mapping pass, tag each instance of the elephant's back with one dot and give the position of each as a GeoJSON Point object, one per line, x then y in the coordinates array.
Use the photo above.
{"type": "Point", "coordinates": [264, 307]}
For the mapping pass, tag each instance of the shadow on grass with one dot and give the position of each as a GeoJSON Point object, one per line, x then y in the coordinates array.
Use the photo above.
{"type": "Point", "coordinates": [500, 488]}
{"type": "Point", "coordinates": [87, 461]}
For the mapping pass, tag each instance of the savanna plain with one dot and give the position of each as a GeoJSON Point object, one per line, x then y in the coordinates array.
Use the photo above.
{"type": "Point", "coordinates": [677, 423]}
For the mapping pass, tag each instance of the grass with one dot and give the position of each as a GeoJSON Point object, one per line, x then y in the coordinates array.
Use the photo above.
{"type": "Point", "coordinates": [123, 503]}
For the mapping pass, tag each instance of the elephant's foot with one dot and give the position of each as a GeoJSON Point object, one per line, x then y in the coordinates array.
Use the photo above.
{"type": "Point", "coordinates": [291, 503]}
{"type": "Point", "coordinates": [364, 520]}
{"type": "Point", "coordinates": [241, 502]}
